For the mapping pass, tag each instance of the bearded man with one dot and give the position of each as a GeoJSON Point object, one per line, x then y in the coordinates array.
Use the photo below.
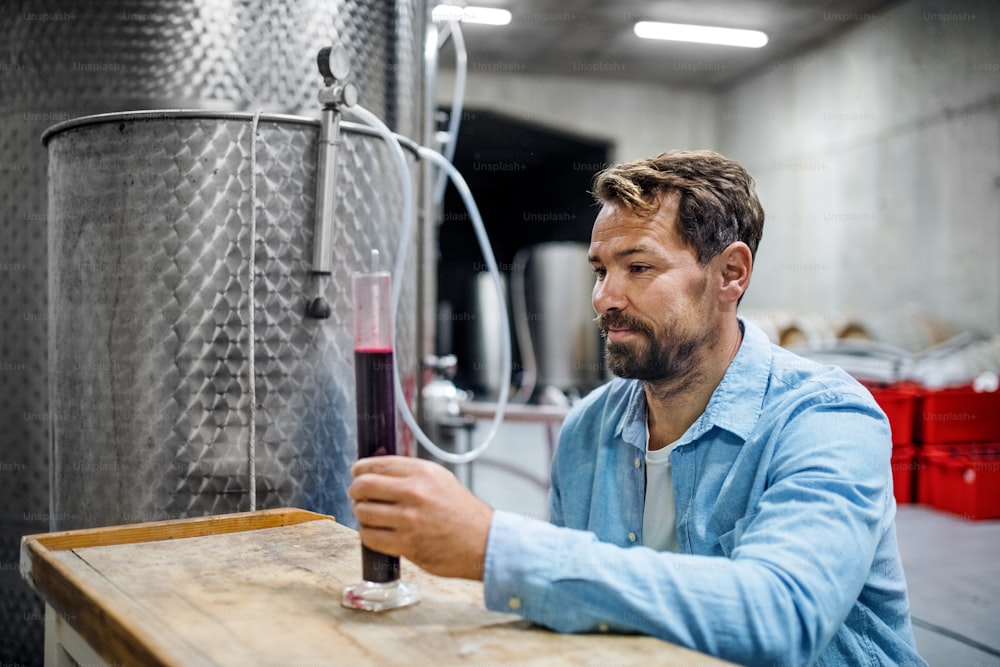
{"type": "Point", "coordinates": [721, 493]}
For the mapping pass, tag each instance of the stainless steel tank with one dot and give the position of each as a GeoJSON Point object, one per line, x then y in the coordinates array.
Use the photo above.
{"type": "Point", "coordinates": [560, 316]}
{"type": "Point", "coordinates": [484, 336]}
{"type": "Point", "coordinates": [69, 58]}
{"type": "Point", "coordinates": [150, 219]}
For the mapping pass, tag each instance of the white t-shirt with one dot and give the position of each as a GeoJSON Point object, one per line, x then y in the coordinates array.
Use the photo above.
{"type": "Point", "coordinates": [659, 518]}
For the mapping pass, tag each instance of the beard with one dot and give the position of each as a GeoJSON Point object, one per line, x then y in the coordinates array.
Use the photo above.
{"type": "Point", "coordinates": [665, 356]}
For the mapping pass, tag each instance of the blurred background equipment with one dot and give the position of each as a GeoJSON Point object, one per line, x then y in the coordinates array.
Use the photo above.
{"type": "Point", "coordinates": [561, 347]}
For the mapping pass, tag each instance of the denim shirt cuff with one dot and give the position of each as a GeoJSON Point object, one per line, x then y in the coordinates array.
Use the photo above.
{"type": "Point", "coordinates": [513, 540]}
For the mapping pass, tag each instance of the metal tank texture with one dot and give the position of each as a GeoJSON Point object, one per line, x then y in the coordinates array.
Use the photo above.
{"type": "Point", "coordinates": [150, 218]}
{"type": "Point", "coordinates": [70, 58]}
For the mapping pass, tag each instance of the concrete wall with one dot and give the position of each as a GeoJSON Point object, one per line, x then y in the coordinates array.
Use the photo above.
{"type": "Point", "coordinates": [640, 119]}
{"type": "Point", "coordinates": [877, 157]}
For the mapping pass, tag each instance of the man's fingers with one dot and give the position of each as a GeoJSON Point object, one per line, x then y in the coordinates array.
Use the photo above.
{"type": "Point", "coordinates": [385, 516]}
{"type": "Point", "coordinates": [381, 465]}
{"type": "Point", "coordinates": [382, 526]}
{"type": "Point", "coordinates": [394, 466]}
{"type": "Point", "coordinates": [379, 488]}
{"type": "Point", "coordinates": [418, 509]}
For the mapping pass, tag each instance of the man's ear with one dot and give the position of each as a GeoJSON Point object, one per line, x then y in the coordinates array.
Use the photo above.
{"type": "Point", "coordinates": [736, 265]}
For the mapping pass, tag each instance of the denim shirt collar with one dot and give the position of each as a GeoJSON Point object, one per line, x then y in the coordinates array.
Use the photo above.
{"type": "Point", "coordinates": [735, 404]}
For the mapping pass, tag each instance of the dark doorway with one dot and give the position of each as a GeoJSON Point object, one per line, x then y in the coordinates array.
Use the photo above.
{"type": "Point", "coordinates": [532, 185]}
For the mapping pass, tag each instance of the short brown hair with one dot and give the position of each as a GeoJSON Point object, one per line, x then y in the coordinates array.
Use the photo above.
{"type": "Point", "coordinates": [718, 204]}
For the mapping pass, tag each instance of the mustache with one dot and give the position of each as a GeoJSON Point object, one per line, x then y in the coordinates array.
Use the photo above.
{"type": "Point", "coordinates": [606, 321]}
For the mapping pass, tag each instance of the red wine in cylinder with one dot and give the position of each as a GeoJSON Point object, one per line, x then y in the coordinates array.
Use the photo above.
{"type": "Point", "coordinates": [376, 437]}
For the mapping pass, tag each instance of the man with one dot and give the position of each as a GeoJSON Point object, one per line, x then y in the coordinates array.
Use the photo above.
{"type": "Point", "coordinates": [722, 493]}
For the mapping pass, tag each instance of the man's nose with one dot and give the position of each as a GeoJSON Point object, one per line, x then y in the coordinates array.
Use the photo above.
{"type": "Point", "coordinates": [608, 295]}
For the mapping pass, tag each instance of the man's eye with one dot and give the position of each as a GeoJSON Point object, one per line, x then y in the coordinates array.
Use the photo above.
{"type": "Point", "coordinates": [600, 272]}
{"type": "Point", "coordinates": [638, 268]}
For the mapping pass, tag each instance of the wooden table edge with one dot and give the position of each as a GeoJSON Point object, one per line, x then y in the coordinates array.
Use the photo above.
{"type": "Point", "coordinates": [173, 529]}
{"type": "Point", "coordinates": [110, 633]}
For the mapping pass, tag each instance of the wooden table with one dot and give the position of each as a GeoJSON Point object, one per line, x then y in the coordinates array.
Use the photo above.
{"type": "Point", "coordinates": [264, 588]}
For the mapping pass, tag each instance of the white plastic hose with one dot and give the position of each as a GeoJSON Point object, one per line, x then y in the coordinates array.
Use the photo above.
{"type": "Point", "coordinates": [457, 101]}
{"type": "Point", "coordinates": [406, 233]}
{"type": "Point", "coordinates": [505, 343]}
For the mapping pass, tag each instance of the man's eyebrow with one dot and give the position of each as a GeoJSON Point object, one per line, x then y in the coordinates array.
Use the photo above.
{"type": "Point", "coordinates": [635, 250]}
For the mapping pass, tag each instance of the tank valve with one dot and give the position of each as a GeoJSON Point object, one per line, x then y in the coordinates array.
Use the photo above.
{"type": "Point", "coordinates": [318, 308]}
{"type": "Point", "coordinates": [442, 412]}
{"type": "Point", "coordinates": [337, 93]}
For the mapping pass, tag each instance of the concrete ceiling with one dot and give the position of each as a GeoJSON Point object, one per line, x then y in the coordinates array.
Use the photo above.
{"type": "Point", "coordinates": [595, 37]}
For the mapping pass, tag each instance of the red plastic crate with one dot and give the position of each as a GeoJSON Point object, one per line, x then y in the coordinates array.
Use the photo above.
{"type": "Point", "coordinates": [904, 468]}
{"type": "Point", "coordinates": [899, 402]}
{"type": "Point", "coordinates": [961, 479]}
{"type": "Point", "coordinates": [959, 415]}
{"type": "Point", "coordinates": [929, 486]}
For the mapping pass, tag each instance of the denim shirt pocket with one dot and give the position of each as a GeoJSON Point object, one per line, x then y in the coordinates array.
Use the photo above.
{"type": "Point", "coordinates": [731, 538]}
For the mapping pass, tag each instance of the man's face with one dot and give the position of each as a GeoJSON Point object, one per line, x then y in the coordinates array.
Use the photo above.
{"type": "Point", "coordinates": [654, 302]}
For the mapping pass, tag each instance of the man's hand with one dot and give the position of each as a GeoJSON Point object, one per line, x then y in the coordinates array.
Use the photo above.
{"type": "Point", "coordinates": [417, 509]}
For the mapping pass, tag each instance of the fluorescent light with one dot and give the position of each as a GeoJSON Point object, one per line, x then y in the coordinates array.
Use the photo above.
{"type": "Point", "coordinates": [700, 33]}
{"type": "Point", "coordinates": [484, 15]}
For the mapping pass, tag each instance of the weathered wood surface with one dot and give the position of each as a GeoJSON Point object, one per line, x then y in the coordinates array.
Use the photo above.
{"type": "Point", "coordinates": [265, 589]}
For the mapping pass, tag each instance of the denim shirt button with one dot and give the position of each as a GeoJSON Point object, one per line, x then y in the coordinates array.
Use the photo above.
{"type": "Point", "coordinates": [637, 462]}
{"type": "Point", "coordinates": [603, 627]}
{"type": "Point", "coordinates": [514, 603]}
{"type": "Point", "coordinates": [631, 537]}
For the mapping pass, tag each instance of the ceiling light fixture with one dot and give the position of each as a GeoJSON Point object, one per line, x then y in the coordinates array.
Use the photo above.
{"type": "Point", "coordinates": [681, 32]}
{"type": "Point", "coordinates": [484, 15]}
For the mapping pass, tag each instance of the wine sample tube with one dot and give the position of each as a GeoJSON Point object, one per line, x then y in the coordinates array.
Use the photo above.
{"type": "Point", "coordinates": [376, 437]}
{"type": "Point", "coordinates": [381, 588]}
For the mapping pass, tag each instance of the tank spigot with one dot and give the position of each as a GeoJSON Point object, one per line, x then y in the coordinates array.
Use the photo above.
{"type": "Point", "coordinates": [444, 366]}
{"type": "Point", "coordinates": [318, 308]}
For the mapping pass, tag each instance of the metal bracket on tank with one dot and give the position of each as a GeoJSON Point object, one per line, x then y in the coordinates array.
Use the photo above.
{"type": "Point", "coordinates": [337, 93]}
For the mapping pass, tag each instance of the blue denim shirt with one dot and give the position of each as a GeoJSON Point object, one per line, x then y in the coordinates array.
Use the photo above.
{"type": "Point", "coordinates": [785, 519]}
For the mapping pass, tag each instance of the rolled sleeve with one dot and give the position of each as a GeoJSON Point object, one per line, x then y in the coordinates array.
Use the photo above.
{"type": "Point", "coordinates": [516, 571]}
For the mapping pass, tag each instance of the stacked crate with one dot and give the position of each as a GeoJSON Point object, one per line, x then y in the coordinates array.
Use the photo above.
{"type": "Point", "coordinates": [959, 460]}
{"type": "Point", "coordinates": [900, 402]}
{"type": "Point", "coordinates": [946, 447]}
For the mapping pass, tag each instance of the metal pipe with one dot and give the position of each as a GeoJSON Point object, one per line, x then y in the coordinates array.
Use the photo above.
{"type": "Point", "coordinates": [326, 184]}
{"type": "Point", "coordinates": [334, 66]}
{"type": "Point", "coordinates": [427, 238]}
